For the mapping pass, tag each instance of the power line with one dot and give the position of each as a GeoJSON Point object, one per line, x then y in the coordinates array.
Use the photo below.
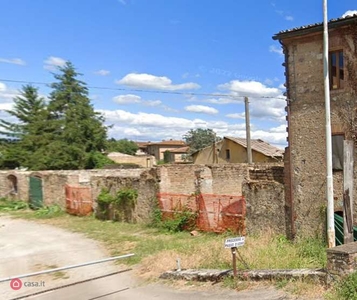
{"type": "Point", "coordinates": [151, 91]}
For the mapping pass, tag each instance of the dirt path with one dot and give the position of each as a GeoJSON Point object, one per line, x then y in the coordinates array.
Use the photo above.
{"type": "Point", "coordinates": [27, 247]}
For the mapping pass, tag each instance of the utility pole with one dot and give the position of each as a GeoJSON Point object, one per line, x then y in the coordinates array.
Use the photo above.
{"type": "Point", "coordinates": [247, 129]}
{"type": "Point", "coordinates": [329, 178]}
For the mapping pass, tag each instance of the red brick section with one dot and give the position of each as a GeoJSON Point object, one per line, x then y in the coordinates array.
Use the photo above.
{"type": "Point", "coordinates": [78, 200]}
{"type": "Point", "coordinates": [216, 213]}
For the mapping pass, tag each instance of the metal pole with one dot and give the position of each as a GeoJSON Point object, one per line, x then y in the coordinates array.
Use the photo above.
{"type": "Point", "coordinates": [247, 129]}
{"type": "Point", "coordinates": [234, 252]}
{"type": "Point", "coordinates": [329, 178]}
{"type": "Point", "coordinates": [66, 268]}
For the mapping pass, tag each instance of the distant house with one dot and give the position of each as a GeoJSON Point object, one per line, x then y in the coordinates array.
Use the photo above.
{"type": "Point", "coordinates": [178, 155]}
{"type": "Point", "coordinates": [158, 149]}
{"type": "Point", "coordinates": [146, 161]}
{"type": "Point", "coordinates": [234, 150]}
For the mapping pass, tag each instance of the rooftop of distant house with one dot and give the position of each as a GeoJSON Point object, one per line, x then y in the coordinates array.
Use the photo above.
{"type": "Point", "coordinates": [181, 150]}
{"type": "Point", "coordinates": [259, 146]}
{"type": "Point", "coordinates": [170, 142]}
{"type": "Point", "coordinates": [316, 27]}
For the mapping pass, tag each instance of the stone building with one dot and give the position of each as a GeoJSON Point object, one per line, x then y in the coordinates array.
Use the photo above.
{"type": "Point", "coordinates": [305, 156]}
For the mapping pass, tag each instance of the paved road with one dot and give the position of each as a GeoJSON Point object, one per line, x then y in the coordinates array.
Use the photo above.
{"type": "Point", "coordinates": [29, 247]}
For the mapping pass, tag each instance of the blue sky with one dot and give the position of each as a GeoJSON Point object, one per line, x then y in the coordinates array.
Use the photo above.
{"type": "Point", "coordinates": [172, 46]}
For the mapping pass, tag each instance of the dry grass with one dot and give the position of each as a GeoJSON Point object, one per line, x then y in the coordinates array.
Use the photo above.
{"type": "Point", "coordinates": [156, 251]}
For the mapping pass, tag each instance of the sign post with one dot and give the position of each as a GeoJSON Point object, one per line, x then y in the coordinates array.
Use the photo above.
{"type": "Point", "coordinates": [233, 243]}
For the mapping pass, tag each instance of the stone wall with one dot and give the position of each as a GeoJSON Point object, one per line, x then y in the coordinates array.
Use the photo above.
{"type": "Point", "coordinates": [260, 185]}
{"type": "Point", "coordinates": [145, 161]}
{"type": "Point", "coordinates": [213, 179]}
{"type": "Point", "coordinates": [342, 260]}
{"type": "Point", "coordinates": [307, 142]}
{"type": "Point", "coordinates": [143, 181]}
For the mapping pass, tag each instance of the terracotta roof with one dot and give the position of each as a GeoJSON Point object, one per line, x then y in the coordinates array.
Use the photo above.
{"type": "Point", "coordinates": [142, 144]}
{"type": "Point", "coordinates": [169, 142]}
{"type": "Point", "coordinates": [259, 146]}
{"type": "Point", "coordinates": [315, 27]}
{"type": "Point", "coordinates": [180, 150]}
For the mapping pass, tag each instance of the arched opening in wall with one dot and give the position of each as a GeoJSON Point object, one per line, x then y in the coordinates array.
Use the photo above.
{"type": "Point", "coordinates": [12, 184]}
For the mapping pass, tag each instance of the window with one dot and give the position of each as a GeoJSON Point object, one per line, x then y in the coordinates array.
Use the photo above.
{"type": "Point", "coordinates": [228, 154]}
{"type": "Point", "coordinates": [336, 70]}
{"type": "Point", "coordinates": [337, 152]}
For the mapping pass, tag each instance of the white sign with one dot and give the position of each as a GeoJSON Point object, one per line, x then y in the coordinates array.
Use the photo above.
{"type": "Point", "coordinates": [234, 242]}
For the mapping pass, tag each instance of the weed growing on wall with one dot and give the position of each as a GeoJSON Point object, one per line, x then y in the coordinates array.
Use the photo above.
{"type": "Point", "coordinates": [117, 207]}
{"type": "Point", "coordinates": [180, 219]}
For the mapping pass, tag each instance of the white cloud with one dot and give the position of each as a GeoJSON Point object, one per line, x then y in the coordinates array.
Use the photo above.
{"type": "Point", "coordinates": [152, 102]}
{"type": "Point", "coordinates": [52, 63]}
{"type": "Point", "coordinates": [280, 129]}
{"type": "Point", "coordinates": [265, 102]}
{"type": "Point", "coordinates": [349, 13]}
{"type": "Point", "coordinates": [135, 99]}
{"type": "Point", "coordinates": [250, 88]}
{"type": "Point", "coordinates": [15, 61]}
{"type": "Point", "coordinates": [222, 101]}
{"type": "Point", "coordinates": [102, 72]}
{"type": "Point", "coordinates": [201, 109]}
{"type": "Point", "coordinates": [289, 18]}
{"type": "Point", "coordinates": [127, 99]}
{"type": "Point", "coordinates": [149, 81]}
{"type": "Point", "coordinates": [275, 49]}
{"type": "Point", "coordinates": [236, 116]}
{"type": "Point", "coordinates": [156, 127]}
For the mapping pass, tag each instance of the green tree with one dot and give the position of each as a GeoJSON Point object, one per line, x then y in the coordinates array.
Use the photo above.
{"type": "Point", "coordinates": [79, 131]}
{"type": "Point", "coordinates": [122, 146]}
{"type": "Point", "coordinates": [200, 138]}
{"type": "Point", "coordinates": [27, 134]}
{"type": "Point", "coordinates": [28, 109]}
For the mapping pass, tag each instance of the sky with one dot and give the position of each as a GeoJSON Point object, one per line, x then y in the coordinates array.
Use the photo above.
{"type": "Point", "coordinates": [158, 68]}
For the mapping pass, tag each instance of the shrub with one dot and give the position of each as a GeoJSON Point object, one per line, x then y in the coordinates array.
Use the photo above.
{"type": "Point", "coordinates": [347, 288]}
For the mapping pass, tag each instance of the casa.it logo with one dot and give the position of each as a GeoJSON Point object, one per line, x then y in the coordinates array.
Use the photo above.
{"type": "Point", "coordinates": [16, 284]}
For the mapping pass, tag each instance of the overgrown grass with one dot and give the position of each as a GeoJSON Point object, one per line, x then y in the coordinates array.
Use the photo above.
{"type": "Point", "coordinates": [345, 289]}
{"type": "Point", "coordinates": [7, 205]}
{"type": "Point", "coordinates": [157, 250]}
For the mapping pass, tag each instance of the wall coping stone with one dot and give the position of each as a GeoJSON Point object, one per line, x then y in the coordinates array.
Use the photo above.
{"type": "Point", "coordinates": [218, 275]}
{"type": "Point", "coordinates": [350, 248]}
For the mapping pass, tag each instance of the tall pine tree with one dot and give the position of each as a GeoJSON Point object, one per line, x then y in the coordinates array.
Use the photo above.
{"type": "Point", "coordinates": [80, 133]}
{"type": "Point", "coordinates": [26, 135]}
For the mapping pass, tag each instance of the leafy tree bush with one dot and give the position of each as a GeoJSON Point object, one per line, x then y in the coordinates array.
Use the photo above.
{"type": "Point", "coordinates": [200, 138]}
{"type": "Point", "coordinates": [123, 146]}
{"type": "Point", "coordinates": [64, 134]}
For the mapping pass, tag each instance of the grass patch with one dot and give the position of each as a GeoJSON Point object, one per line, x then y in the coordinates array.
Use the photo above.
{"type": "Point", "coordinates": [7, 205]}
{"type": "Point", "coordinates": [345, 289]}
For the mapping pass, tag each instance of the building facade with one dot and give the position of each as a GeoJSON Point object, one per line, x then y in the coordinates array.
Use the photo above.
{"type": "Point", "coordinates": [305, 157]}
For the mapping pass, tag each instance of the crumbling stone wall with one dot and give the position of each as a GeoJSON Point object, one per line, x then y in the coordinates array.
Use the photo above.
{"type": "Point", "coordinates": [265, 196]}
{"type": "Point", "coordinates": [305, 89]}
{"type": "Point", "coordinates": [342, 260]}
{"type": "Point", "coordinates": [260, 184]}
{"type": "Point", "coordinates": [143, 181]}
